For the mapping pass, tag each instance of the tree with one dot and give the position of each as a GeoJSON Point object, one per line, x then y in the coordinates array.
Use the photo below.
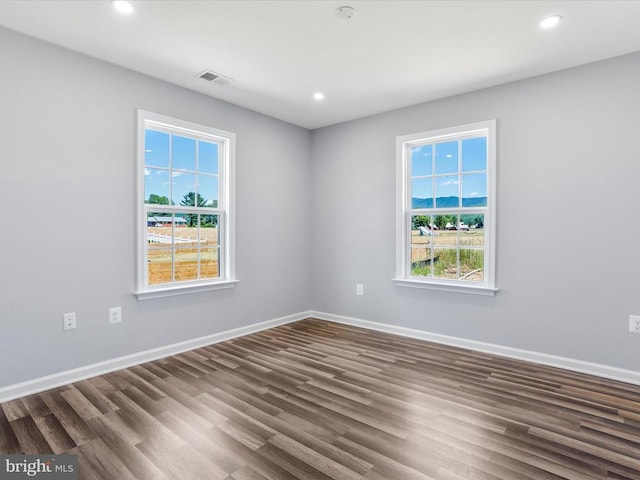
{"type": "Point", "coordinates": [419, 221]}
{"type": "Point", "coordinates": [158, 200]}
{"type": "Point", "coordinates": [442, 220]}
{"type": "Point", "coordinates": [474, 219]}
{"type": "Point", "coordinates": [191, 200]}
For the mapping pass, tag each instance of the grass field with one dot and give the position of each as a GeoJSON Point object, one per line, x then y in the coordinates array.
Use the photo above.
{"type": "Point", "coordinates": [445, 254]}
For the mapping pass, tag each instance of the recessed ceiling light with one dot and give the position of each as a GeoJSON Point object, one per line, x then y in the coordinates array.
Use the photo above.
{"type": "Point", "coordinates": [345, 12]}
{"type": "Point", "coordinates": [550, 22]}
{"type": "Point", "coordinates": [122, 6]}
{"type": "Point", "coordinates": [318, 96]}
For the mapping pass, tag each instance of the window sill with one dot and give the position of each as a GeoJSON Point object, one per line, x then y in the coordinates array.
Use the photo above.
{"type": "Point", "coordinates": [446, 287]}
{"type": "Point", "coordinates": [170, 291]}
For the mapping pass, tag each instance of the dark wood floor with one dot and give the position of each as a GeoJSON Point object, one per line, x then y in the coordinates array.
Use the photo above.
{"type": "Point", "coordinates": [316, 400]}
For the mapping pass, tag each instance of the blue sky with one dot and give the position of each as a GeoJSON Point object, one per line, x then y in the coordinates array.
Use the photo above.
{"type": "Point", "coordinates": [474, 159]}
{"type": "Point", "coordinates": [180, 154]}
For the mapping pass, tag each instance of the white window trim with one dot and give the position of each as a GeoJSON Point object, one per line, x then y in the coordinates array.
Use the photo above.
{"type": "Point", "coordinates": [226, 203]}
{"type": "Point", "coordinates": [403, 182]}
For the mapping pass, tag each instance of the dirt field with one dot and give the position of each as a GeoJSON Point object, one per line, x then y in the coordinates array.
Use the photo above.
{"type": "Point", "coordinates": [186, 255]}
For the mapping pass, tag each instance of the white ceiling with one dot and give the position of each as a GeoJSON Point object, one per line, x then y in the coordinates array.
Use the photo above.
{"type": "Point", "coordinates": [389, 55]}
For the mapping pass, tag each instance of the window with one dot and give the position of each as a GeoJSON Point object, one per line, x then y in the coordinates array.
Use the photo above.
{"type": "Point", "coordinates": [185, 207]}
{"type": "Point", "coordinates": [446, 209]}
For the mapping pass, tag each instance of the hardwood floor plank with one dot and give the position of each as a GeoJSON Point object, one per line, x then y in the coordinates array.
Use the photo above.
{"type": "Point", "coordinates": [14, 410]}
{"type": "Point", "coordinates": [8, 441]}
{"type": "Point", "coordinates": [68, 418]}
{"type": "Point", "coordinates": [103, 462]}
{"type": "Point", "coordinates": [136, 462]}
{"type": "Point", "coordinates": [79, 403]}
{"type": "Point", "coordinates": [291, 464]}
{"type": "Point", "coordinates": [95, 396]}
{"type": "Point", "coordinates": [246, 473]}
{"type": "Point", "coordinates": [317, 400]}
{"type": "Point", "coordinates": [29, 436]}
{"type": "Point", "coordinates": [54, 433]}
{"type": "Point", "coordinates": [314, 459]}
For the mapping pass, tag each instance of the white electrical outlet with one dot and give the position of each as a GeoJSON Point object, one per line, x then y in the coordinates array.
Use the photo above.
{"type": "Point", "coordinates": [634, 323]}
{"type": "Point", "coordinates": [115, 315]}
{"type": "Point", "coordinates": [69, 321]}
{"type": "Point", "coordinates": [359, 289]}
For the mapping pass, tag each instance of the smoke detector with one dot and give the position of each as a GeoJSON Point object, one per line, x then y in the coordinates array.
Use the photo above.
{"type": "Point", "coordinates": [345, 12]}
{"type": "Point", "coordinates": [216, 78]}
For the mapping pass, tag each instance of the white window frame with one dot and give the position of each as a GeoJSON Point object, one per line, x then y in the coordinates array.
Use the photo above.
{"type": "Point", "coordinates": [225, 208]}
{"type": "Point", "coordinates": [404, 210]}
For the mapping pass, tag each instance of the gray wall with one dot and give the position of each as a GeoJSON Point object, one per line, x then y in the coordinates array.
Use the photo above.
{"type": "Point", "coordinates": [568, 261]}
{"type": "Point", "coordinates": [315, 213]}
{"type": "Point", "coordinates": [67, 240]}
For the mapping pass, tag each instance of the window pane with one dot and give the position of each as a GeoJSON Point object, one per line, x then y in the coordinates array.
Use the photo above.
{"type": "Point", "coordinates": [445, 264]}
{"type": "Point", "coordinates": [422, 192]}
{"type": "Point", "coordinates": [207, 190]}
{"type": "Point", "coordinates": [186, 221]}
{"type": "Point", "coordinates": [421, 161]}
{"type": "Point", "coordinates": [159, 266]}
{"type": "Point", "coordinates": [209, 231]}
{"type": "Point", "coordinates": [443, 222]}
{"type": "Point", "coordinates": [447, 237]}
{"type": "Point", "coordinates": [474, 154]}
{"type": "Point", "coordinates": [184, 187]}
{"type": "Point", "coordinates": [421, 233]}
{"type": "Point", "coordinates": [473, 234]}
{"type": "Point", "coordinates": [421, 261]}
{"type": "Point", "coordinates": [209, 262]}
{"type": "Point", "coordinates": [421, 245]}
{"type": "Point", "coordinates": [209, 246]}
{"type": "Point", "coordinates": [183, 153]}
{"type": "Point", "coordinates": [474, 190]}
{"type": "Point", "coordinates": [447, 157]}
{"type": "Point", "coordinates": [156, 186]}
{"type": "Point", "coordinates": [159, 254]}
{"type": "Point", "coordinates": [159, 229]}
{"type": "Point", "coordinates": [186, 258]}
{"type": "Point", "coordinates": [472, 265]}
{"type": "Point", "coordinates": [207, 157]}
{"type": "Point", "coordinates": [156, 148]}
{"type": "Point", "coordinates": [447, 192]}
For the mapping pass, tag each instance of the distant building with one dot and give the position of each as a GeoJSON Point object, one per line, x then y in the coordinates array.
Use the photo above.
{"type": "Point", "coordinates": [166, 221]}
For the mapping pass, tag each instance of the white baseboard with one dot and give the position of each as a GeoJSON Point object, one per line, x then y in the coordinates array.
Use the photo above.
{"type": "Point", "coordinates": [605, 371]}
{"type": "Point", "coordinates": [63, 378]}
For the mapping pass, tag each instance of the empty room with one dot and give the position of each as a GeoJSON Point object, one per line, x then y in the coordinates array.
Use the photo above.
{"type": "Point", "coordinates": [278, 240]}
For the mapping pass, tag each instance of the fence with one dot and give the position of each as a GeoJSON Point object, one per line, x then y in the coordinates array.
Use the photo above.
{"type": "Point", "coordinates": [164, 239]}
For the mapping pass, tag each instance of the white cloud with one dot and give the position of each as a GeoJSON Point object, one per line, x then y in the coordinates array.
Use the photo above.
{"type": "Point", "coordinates": [176, 174]}
{"type": "Point", "coordinates": [424, 150]}
{"type": "Point", "coordinates": [450, 182]}
{"type": "Point", "coordinates": [147, 172]}
{"type": "Point", "coordinates": [474, 194]}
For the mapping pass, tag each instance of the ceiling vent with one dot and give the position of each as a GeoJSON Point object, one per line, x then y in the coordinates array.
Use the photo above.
{"type": "Point", "coordinates": [216, 78]}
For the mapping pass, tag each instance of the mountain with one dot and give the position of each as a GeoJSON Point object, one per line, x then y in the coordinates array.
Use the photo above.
{"type": "Point", "coordinates": [448, 202]}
